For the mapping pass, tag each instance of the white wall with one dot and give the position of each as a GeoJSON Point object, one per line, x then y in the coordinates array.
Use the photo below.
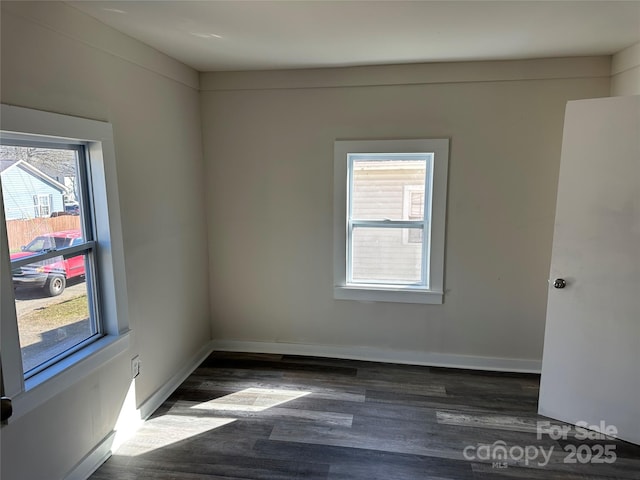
{"type": "Point", "coordinates": [625, 72]}
{"type": "Point", "coordinates": [55, 58]}
{"type": "Point", "coordinates": [268, 141]}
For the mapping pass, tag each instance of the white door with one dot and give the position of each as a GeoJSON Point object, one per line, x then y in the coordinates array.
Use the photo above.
{"type": "Point", "coordinates": [591, 360]}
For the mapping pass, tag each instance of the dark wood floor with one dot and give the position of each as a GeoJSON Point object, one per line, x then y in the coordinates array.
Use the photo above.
{"type": "Point", "coordinates": [243, 416]}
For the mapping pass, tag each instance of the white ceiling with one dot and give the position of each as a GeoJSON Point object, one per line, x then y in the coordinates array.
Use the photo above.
{"type": "Point", "coordinates": [251, 35]}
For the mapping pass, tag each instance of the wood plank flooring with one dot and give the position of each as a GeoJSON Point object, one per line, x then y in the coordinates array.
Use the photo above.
{"type": "Point", "coordinates": [273, 417]}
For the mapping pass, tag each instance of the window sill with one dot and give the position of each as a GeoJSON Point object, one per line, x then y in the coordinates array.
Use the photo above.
{"type": "Point", "coordinates": [58, 377]}
{"type": "Point", "coordinates": [368, 293]}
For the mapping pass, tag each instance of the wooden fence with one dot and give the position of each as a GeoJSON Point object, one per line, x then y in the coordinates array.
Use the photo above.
{"type": "Point", "coordinates": [21, 232]}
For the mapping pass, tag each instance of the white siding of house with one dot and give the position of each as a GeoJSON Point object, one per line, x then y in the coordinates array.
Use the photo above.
{"type": "Point", "coordinates": [18, 190]}
{"type": "Point", "coordinates": [384, 254]}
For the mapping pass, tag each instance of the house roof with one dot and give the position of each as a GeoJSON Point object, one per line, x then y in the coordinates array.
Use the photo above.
{"type": "Point", "coordinates": [7, 164]}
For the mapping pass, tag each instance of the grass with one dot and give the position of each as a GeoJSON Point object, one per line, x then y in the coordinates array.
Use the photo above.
{"type": "Point", "coordinates": [52, 328]}
{"type": "Point", "coordinates": [58, 314]}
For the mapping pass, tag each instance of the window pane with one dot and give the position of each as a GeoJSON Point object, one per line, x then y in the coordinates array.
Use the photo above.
{"type": "Point", "coordinates": [49, 325]}
{"type": "Point", "coordinates": [390, 255]}
{"type": "Point", "coordinates": [383, 185]}
{"type": "Point", "coordinates": [41, 195]}
{"type": "Point", "coordinates": [42, 198]}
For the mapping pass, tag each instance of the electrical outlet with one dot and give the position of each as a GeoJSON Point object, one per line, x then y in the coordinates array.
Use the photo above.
{"type": "Point", "coordinates": [135, 366]}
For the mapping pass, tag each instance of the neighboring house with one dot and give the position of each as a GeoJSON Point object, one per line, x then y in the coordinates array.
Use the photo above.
{"type": "Point", "coordinates": [29, 192]}
{"type": "Point", "coordinates": [384, 190]}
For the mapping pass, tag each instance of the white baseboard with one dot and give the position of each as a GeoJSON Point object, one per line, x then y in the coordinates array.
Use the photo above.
{"type": "Point", "coordinates": [91, 462]}
{"type": "Point", "coordinates": [104, 450]}
{"type": "Point", "coordinates": [154, 401]}
{"type": "Point", "coordinates": [373, 354]}
{"type": "Point", "coordinates": [109, 444]}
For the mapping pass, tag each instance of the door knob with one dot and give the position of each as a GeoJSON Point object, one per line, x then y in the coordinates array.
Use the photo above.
{"type": "Point", "coordinates": [7, 409]}
{"type": "Point", "coordinates": [559, 283]}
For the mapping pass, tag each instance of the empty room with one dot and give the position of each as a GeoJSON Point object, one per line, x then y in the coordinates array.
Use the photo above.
{"type": "Point", "coordinates": [393, 240]}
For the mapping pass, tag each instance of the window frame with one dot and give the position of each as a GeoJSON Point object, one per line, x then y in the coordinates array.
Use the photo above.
{"type": "Point", "coordinates": [86, 246]}
{"type": "Point", "coordinates": [432, 291]}
{"type": "Point", "coordinates": [403, 224]}
{"type": "Point", "coordinates": [38, 204]}
{"type": "Point", "coordinates": [96, 138]}
{"type": "Point", "coordinates": [409, 191]}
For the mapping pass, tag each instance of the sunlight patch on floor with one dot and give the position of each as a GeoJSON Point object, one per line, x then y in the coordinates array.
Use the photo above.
{"type": "Point", "coordinates": [168, 430]}
{"type": "Point", "coordinates": [251, 400]}
{"type": "Point", "coordinates": [134, 436]}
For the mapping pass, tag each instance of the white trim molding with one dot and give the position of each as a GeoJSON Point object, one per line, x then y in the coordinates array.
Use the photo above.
{"type": "Point", "coordinates": [430, 288]}
{"type": "Point", "coordinates": [134, 419]}
{"type": "Point", "coordinates": [410, 74]}
{"type": "Point", "coordinates": [156, 399]}
{"type": "Point", "coordinates": [625, 59]}
{"type": "Point", "coordinates": [25, 124]}
{"type": "Point", "coordinates": [70, 22]}
{"type": "Point", "coordinates": [93, 460]}
{"type": "Point", "coordinates": [375, 354]}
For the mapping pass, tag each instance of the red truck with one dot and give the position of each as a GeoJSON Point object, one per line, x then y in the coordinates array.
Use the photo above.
{"type": "Point", "coordinates": [51, 274]}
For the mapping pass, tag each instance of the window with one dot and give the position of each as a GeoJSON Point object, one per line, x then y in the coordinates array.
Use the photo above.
{"type": "Point", "coordinates": [42, 205]}
{"type": "Point", "coordinates": [47, 266]}
{"type": "Point", "coordinates": [389, 199]}
{"type": "Point", "coordinates": [413, 210]}
{"type": "Point", "coordinates": [65, 273]}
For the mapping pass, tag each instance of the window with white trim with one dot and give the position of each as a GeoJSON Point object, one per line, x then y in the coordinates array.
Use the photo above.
{"type": "Point", "coordinates": [65, 273]}
{"type": "Point", "coordinates": [389, 209]}
{"type": "Point", "coordinates": [42, 205]}
{"type": "Point", "coordinates": [54, 284]}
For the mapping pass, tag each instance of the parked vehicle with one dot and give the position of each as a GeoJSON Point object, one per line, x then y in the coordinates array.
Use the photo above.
{"type": "Point", "coordinates": [72, 208]}
{"type": "Point", "coordinates": [51, 274]}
